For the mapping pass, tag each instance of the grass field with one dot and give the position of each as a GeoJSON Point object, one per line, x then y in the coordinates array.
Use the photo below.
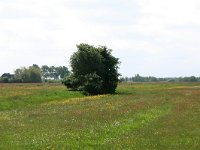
{"type": "Point", "coordinates": [140, 116]}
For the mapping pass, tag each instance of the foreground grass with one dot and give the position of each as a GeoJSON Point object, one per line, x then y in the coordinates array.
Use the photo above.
{"type": "Point", "coordinates": [139, 116]}
{"type": "Point", "coordinates": [15, 96]}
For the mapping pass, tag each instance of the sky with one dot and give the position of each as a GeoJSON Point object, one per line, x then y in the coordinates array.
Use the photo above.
{"type": "Point", "coordinates": [150, 37]}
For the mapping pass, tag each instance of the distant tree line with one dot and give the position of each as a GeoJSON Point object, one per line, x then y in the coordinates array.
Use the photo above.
{"type": "Point", "coordinates": [138, 78]}
{"type": "Point", "coordinates": [55, 73]}
{"type": "Point", "coordinates": [35, 74]}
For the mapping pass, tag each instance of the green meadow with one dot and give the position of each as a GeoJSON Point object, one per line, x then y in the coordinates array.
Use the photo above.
{"type": "Point", "coordinates": [141, 116]}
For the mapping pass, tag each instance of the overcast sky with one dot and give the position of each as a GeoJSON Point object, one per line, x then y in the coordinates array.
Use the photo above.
{"type": "Point", "coordinates": [151, 37]}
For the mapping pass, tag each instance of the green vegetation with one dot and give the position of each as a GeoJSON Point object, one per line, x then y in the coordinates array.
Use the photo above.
{"type": "Point", "coordinates": [30, 74]}
{"type": "Point", "coordinates": [52, 72]}
{"type": "Point", "coordinates": [138, 78]}
{"type": "Point", "coordinates": [139, 116]}
{"type": "Point", "coordinates": [35, 74]}
{"type": "Point", "coordinates": [94, 70]}
{"type": "Point", "coordinates": [19, 96]}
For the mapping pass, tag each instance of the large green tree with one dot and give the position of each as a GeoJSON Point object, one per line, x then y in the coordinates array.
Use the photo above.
{"type": "Point", "coordinates": [94, 70]}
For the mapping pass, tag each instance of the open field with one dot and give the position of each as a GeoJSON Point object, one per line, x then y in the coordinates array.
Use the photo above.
{"type": "Point", "coordinates": [139, 116]}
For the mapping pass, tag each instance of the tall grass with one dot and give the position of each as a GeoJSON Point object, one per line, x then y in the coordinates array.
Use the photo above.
{"type": "Point", "coordinates": [138, 116]}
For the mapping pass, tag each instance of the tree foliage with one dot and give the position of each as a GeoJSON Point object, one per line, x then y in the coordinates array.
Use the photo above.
{"type": "Point", "coordinates": [94, 70]}
{"type": "Point", "coordinates": [52, 72]}
{"type": "Point", "coordinates": [29, 74]}
{"type": "Point", "coordinates": [138, 78]}
{"type": "Point", "coordinates": [35, 74]}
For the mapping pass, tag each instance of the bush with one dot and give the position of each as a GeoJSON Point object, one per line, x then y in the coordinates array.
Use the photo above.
{"type": "Point", "coordinates": [72, 82]}
{"type": "Point", "coordinates": [92, 84]}
{"type": "Point", "coordinates": [94, 70]}
{"type": "Point", "coordinates": [5, 80]}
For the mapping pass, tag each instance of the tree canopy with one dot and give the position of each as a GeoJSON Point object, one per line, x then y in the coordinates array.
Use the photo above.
{"type": "Point", "coordinates": [30, 74]}
{"type": "Point", "coordinates": [36, 74]}
{"type": "Point", "coordinates": [53, 72]}
{"type": "Point", "coordinates": [94, 70]}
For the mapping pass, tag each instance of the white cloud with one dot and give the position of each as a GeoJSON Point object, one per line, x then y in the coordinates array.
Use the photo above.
{"type": "Point", "coordinates": [154, 37]}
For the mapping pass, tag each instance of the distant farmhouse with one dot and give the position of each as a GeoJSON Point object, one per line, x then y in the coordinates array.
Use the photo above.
{"type": "Point", "coordinates": [8, 75]}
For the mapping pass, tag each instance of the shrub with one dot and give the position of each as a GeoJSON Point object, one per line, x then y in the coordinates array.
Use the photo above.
{"type": "Point", "coordinates": [94, 70]}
